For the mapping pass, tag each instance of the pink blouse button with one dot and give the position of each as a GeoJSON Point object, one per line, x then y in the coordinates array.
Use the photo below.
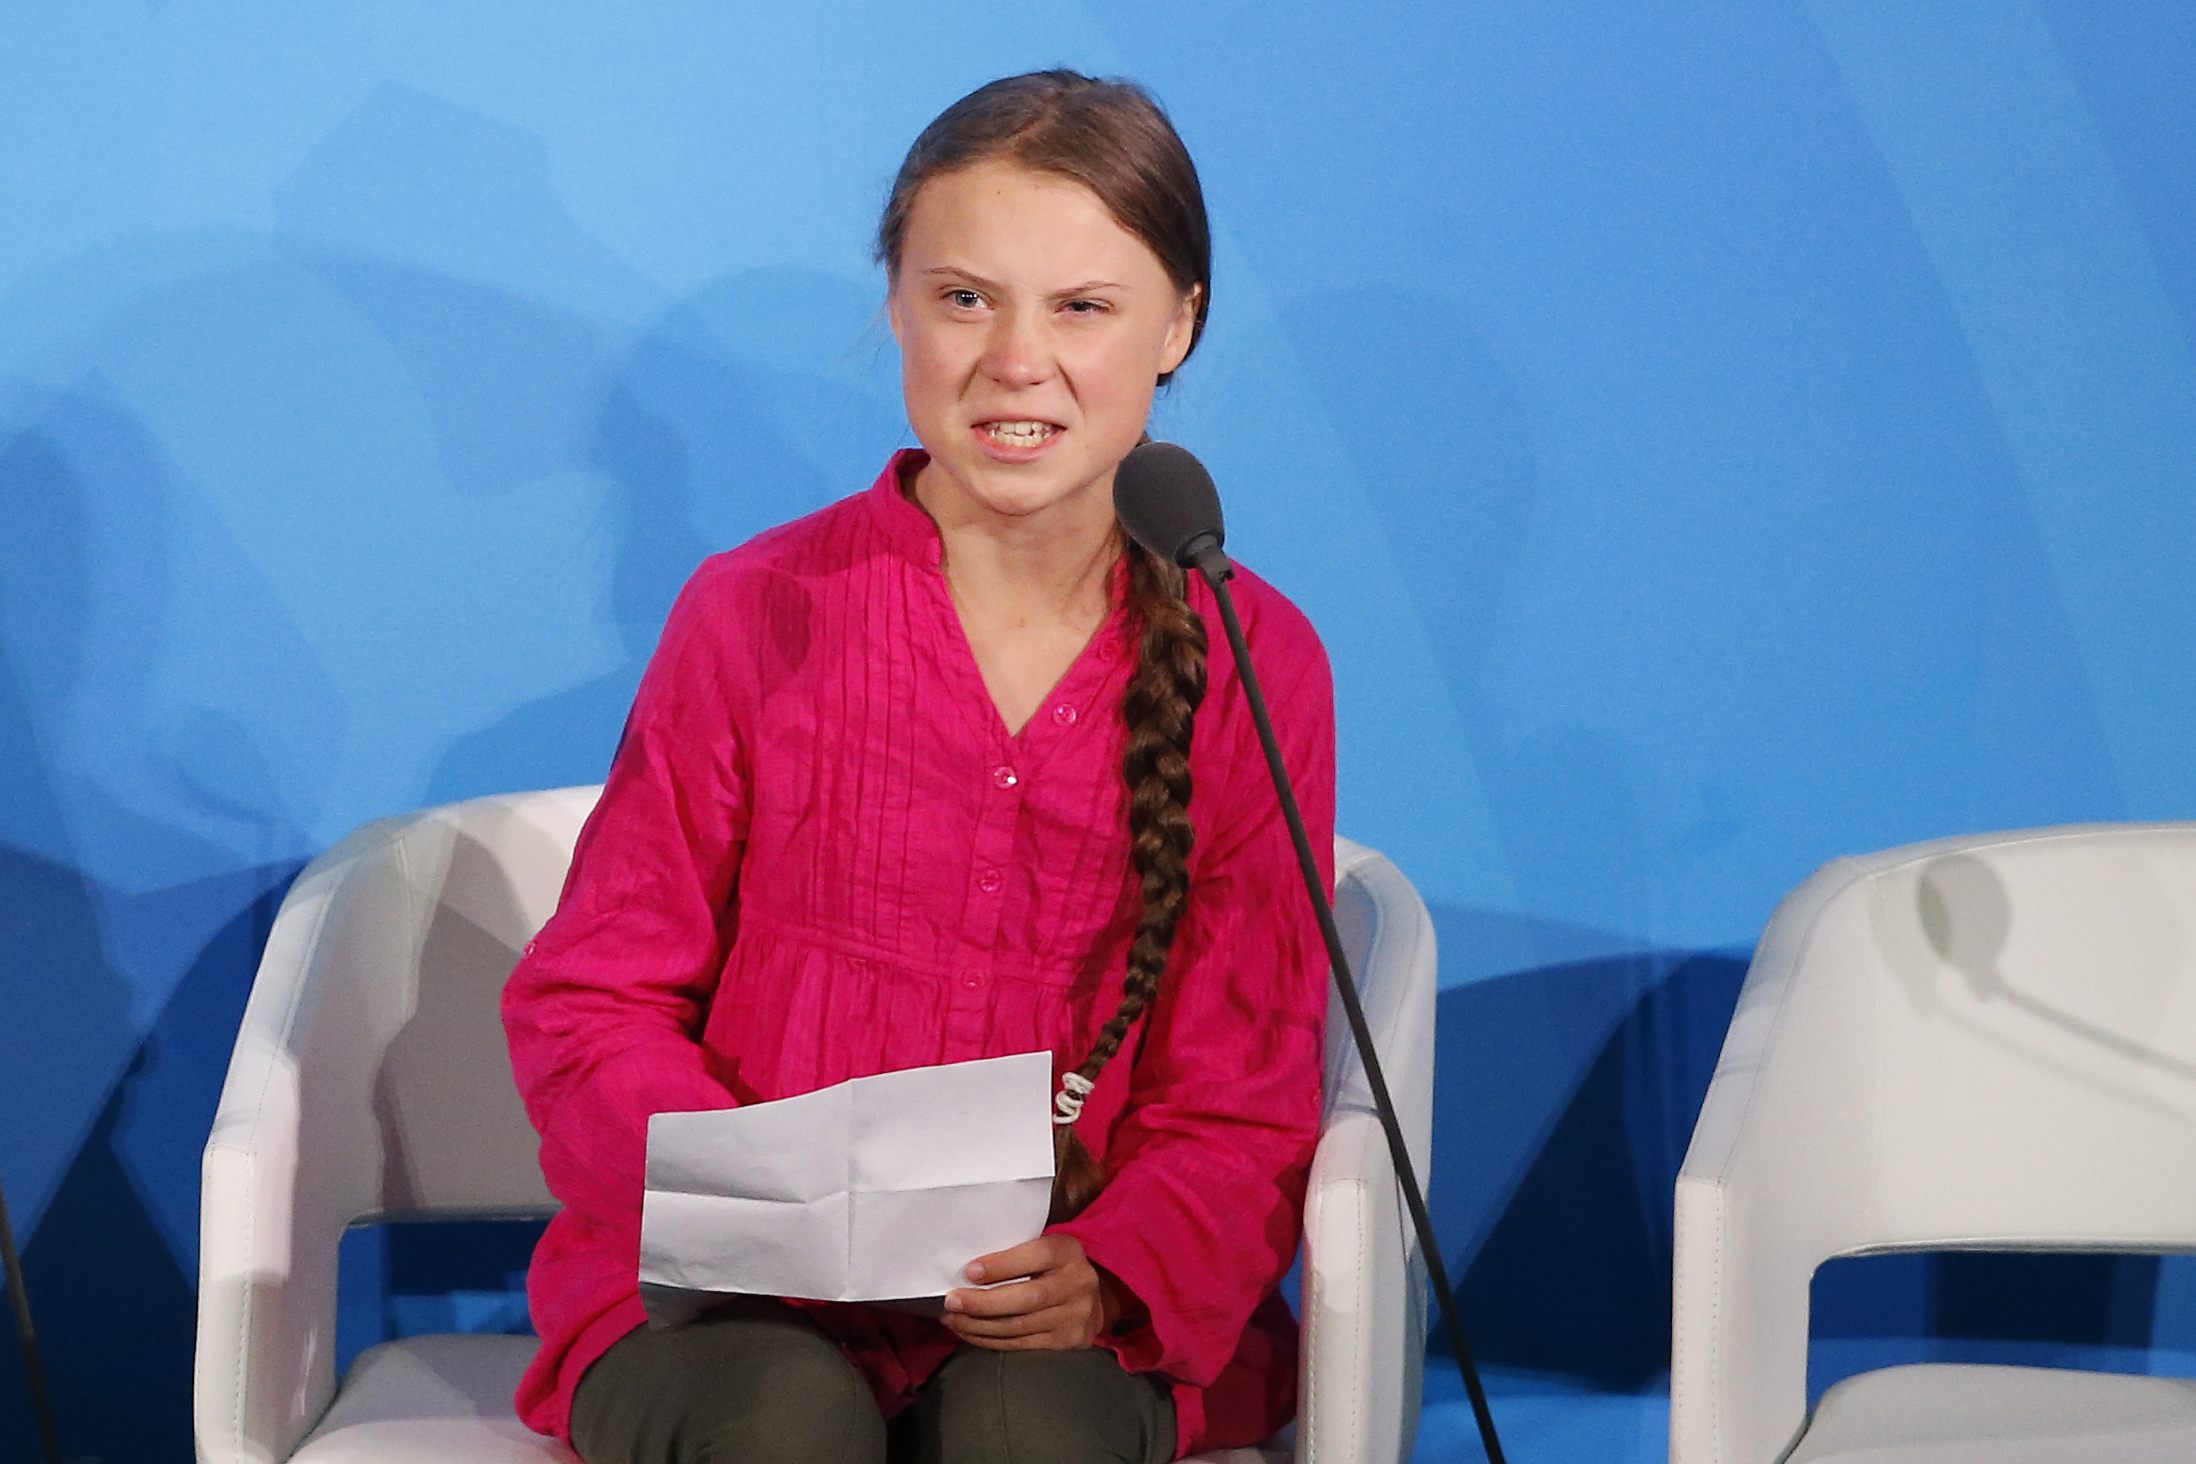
{"type": "Point", "coordinates": [1004, 776]}
{"type": "Point", "coordinates": [1063, 715]}
{"type": "Point", "coordinates": [973, 981]}
{"type": "Point", "coordinates": [989, 881]}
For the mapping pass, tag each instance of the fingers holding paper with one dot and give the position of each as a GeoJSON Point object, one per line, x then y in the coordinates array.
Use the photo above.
{"type": "Point", "coordinates": [1052, 1297]}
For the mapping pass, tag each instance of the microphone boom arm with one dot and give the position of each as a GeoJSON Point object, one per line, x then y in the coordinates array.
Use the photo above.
{"type": "Point", "coordinates": [1214, 566]}
{"type": "Point", "coordinates": [11, 1270]}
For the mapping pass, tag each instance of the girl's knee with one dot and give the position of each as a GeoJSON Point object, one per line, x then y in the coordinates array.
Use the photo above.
{"type": "Point", "coordinates": [745, 1390]}
{"type": "Point", "coordinates": [793, 1407]}
{"type": "Point", "coordinates": [1077, 1407]}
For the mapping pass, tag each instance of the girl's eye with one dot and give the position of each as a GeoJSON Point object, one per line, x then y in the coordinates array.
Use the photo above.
{"type": "Point", "coordinates": [1086, 307]}
{"type": "Point", "coordinates": [964, 299]}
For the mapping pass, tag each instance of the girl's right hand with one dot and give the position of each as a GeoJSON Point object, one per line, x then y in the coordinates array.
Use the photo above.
{"type": "Point", "coordinates": [1061, 1302]}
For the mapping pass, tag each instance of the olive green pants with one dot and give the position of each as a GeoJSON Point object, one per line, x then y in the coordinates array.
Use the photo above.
{"type": "Point", "coordinates": [756, 1383]}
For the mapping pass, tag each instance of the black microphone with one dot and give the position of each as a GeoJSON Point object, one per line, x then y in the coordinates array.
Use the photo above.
{"type": "Point", "coordinates": [1167, 502]}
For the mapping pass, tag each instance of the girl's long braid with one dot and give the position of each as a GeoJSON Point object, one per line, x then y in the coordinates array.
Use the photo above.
{"type": "Point", "coordinates": [1160, 708]}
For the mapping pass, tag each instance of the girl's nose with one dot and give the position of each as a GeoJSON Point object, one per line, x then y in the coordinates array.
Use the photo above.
{"type": "Point", "coordinates": [1017, 353]}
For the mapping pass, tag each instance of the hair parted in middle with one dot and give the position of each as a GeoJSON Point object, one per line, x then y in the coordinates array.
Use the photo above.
{"type": "Point", "coordinates": [1111, 137]}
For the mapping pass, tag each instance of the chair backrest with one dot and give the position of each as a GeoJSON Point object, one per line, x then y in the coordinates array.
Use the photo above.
{"type": "Point", "coordinates": [2042, 1055]}
{"type": "Point", "coordinates": [401, 1032]}
{"type": "Point", "coordinates": [1986, 1042]}
{"type": "Point", "coordinates": [2016, 1019]}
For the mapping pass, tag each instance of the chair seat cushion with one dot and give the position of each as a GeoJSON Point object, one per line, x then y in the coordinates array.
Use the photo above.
{"type": "Point", "coordinates": [432, 1400]}
{"type": "Point", "coordinates": [1965, 1414]}
{"type": "Point", "coordinates": [425, 1400]}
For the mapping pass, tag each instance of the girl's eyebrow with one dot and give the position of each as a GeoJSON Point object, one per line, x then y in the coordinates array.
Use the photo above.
{"type": "Point", "coordinates": [954, 271]}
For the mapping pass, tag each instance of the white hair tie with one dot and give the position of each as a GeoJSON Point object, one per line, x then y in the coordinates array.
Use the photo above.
{"type": "Point", "coordinates": [1067, 1104]}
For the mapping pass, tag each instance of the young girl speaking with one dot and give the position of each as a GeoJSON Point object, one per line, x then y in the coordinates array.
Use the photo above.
{"type": "Point", "coordinates": [910, 781]}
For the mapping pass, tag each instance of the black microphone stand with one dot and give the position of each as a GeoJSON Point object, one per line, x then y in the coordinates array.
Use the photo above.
{"type": "Point", "coordinates": [49, 1434]}
{"type": "Point", "coordinates": [1205, 554]}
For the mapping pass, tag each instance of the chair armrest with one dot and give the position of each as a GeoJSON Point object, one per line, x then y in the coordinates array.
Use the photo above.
{"type": "Point", "coordinates": [291, 1162]}
{"type": "Point", "coordinates": [1363, 1365]}
{"type": "Point", "coordinates": [265, 1365]}
{"type": "Point", "coordinates": [1772, 1183]}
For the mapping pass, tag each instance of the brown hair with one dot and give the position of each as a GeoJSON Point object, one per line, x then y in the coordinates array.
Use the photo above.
{"type": "Point", "coordinates": [1111, 137]}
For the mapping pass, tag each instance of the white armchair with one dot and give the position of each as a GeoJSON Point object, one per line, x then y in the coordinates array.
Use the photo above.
{"type": "Point", "coordinates": [370, 1082]}
{"type": "Point", "coordinates": [1982, 1043]}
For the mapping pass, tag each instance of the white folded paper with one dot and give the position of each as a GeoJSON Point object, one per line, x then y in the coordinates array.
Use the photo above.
{"type": "Point", "coordinates": [882, 1188]}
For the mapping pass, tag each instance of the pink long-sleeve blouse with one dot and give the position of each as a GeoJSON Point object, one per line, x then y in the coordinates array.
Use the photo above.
{"type": "Point", "coordinates": [819, 855]}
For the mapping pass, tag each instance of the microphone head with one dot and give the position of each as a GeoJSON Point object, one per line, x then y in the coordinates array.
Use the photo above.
{"type": "Point", "coordinates": [1167, 502]}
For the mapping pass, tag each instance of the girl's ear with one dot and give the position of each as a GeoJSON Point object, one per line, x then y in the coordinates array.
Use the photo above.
{"type": "Point", "coordinates": [892, 307]}
{"type": "Point", "coordinates": [1181, 331]}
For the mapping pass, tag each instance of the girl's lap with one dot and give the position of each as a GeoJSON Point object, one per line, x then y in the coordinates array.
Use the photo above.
{"type": "Point", "coordinates": [756, 1381]}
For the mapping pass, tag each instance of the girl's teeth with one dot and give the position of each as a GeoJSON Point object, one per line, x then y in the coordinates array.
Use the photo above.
{"type": "Point", "coordinates": [1021, 434]}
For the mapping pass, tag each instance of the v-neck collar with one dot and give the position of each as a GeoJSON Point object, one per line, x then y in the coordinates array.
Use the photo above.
{"type": "Point", "coordinates": [1081, 691]}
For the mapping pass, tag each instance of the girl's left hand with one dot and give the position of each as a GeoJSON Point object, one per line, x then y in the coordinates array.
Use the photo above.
{"type": "Point", "coordinates": [1061, 1302]}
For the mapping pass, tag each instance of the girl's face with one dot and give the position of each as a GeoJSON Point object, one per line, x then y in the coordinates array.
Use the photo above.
{"type": "Point", "coordinates": [1033, 330]}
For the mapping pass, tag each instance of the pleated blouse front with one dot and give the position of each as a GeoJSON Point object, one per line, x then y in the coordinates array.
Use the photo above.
{"type": "Point", "coordinates": [819, 855]}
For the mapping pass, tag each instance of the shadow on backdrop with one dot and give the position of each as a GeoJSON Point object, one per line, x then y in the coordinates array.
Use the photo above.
{"type": "Point", "coordinates": [67, 1009]}
{"type": "Point", "coordinates": [721, 415]}
{"type": "Point", "coordinates": [1567, 1269]}
{"type": "Point", "coordinates": [116, 1304]}
{"type": "Point", "coordinates": [695, 440]}
{"type": "Point", "coordinates": [1456, 489]}
{"type": "Point", "coordinates": [107, 1119]}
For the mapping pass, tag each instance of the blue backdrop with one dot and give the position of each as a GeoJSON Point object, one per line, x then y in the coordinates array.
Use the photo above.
{"type": "Point", "coordinates": [1711, 437]}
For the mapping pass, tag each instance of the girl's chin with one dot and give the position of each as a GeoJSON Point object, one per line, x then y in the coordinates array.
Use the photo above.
{"type": "Point", "coordinates": [1019, 490]}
